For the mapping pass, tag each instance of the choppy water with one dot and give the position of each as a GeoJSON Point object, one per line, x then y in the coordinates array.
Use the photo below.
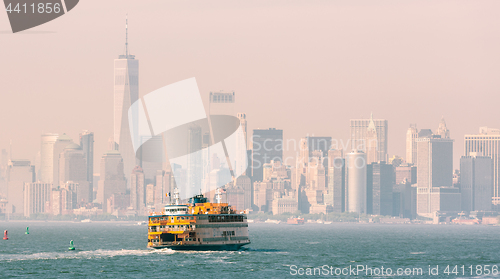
{"type": "Point", "coordinates": [113, 250]}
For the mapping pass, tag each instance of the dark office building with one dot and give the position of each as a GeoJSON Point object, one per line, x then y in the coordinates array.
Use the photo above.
{"type": "Point", "coordinates": [476, 179]}
{"type": "Point", "coordinates": [267, 146]}
{"type": "Point", "coordinates": [379, 181]}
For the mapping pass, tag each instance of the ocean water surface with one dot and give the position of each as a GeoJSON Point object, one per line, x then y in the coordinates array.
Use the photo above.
{"type": "Point", "coordinates": [118, 250]}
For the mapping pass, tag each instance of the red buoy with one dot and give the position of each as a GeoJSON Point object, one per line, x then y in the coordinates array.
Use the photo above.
{"type": "Point", "coordinates": [5, 237]}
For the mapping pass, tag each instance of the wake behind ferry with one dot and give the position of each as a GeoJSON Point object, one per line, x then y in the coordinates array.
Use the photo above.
{"type": "Point", "coordinates": [199, 225]}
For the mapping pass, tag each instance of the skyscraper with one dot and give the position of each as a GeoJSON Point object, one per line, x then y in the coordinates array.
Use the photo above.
{"type": "Point", "coordinates": [379, 188]}
{"type": "Point", "coordinates": [112, 179]}
{"type": "Point", "coordinates": [194, 163]}
{"type": "Point", "coordinates": [47, 157]}
{"type": "Point", "coordinates": [267, 146]}
{"type": "Point", "coordinates": [335, 195]}
{"type": "Point", "coordinates": [487, 143]}
{"type": "Point", "coordinates": [372, 144]}
{"type": "Point", "coordinates": [19, 172]}
{"type": "Point", "coordinates": [443, 130]}
{"type": "Point", "coordinates": [245, 183]}
{"type": "Point", "coordinates": [36, 196]}
{"type": "Point", "coordinates": [73, 167]}
{"type": "Point", "coordinates": [243, 122]}
{"type": "Point", "coordinates": [4, 160]}
{"type": "Point", "coordinates": [435, 162]}
{"type": "Point", "coordinates": [61, 143]}
{"type": "Point", "coordinates": [87, 145]}
{"type": "Point", "coordinates": [476, 182]}
{"type": "Point", "coordinates": [359, 130]}
{"type": "Point", "coordinates": [239, 165]}
{"type": "Point", "coordinates": [164, 181]}
{"type": "Point", "coordinates": [63, 198]}
{"type": "Point", "coordinates": [150, 195]}
{"type": "Point", "coordinates": [154, 146]}
{"type": "Point", "coordinates": [322, 144]}
{"type": "Point", "coordinates": [406, 173]}
{"type": "Point", "coordinates": [356, 182]}
{"type": "Point", "coordinates": [126, 92]}
{"type": "Point", "coordinates": [411, 144]}
{"type": "Point", "coordinates": [425, 133]}
{"type": "Point", "coordinates": [434, 171]}
{"type": "Point", "coordinates": [137, 190]}
{"type": "Point", "coordinates": [221, 103]}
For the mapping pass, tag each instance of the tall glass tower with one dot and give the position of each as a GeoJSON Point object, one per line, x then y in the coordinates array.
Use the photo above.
{"type": "Point", "coordinates": [126, 92]}
{"type": "Point", "coordinates": [359, 130]}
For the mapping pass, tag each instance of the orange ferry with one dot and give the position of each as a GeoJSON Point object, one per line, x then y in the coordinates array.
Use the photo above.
{"type": "Point", "coordinates": [199, 225]}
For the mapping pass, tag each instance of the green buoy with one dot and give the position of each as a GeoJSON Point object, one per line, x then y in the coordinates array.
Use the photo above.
{"type": "Point", "coordinates": [27, 230]}
{"type": "Point", "coordinates": [71, 246]}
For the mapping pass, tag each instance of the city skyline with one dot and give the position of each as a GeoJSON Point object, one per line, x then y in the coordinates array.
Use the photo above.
{"type": "Point", "coordinates": [373, 95]}
{"type": "Point", "coordinates": [366, 189]}
{"type": "Point", "coordinates": [267, 137]}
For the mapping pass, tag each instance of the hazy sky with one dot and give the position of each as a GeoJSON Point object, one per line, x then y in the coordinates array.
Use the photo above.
{"type": "Point", "coordinates": [306, 67]}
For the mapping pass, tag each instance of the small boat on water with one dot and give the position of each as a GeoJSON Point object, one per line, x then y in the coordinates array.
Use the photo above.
{"type": "Point", "coordinates": [86, 221]}
{"type": "Point", "coordinates": [295, 221]}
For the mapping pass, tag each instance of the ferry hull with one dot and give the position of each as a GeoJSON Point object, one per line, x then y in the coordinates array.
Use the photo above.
{"type": "Point", "coordinates": [208, 247]}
